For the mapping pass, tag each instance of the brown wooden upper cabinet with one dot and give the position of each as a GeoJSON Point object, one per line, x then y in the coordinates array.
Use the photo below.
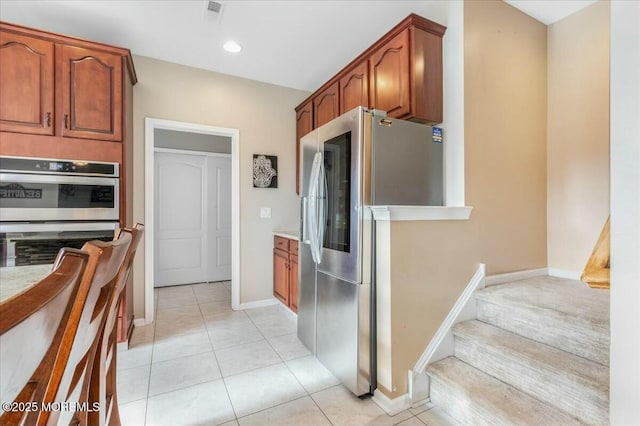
{"type": "Point", "coordinates": [90, 93]}
{"type": "Point", "coordinates": [400, 74]}
{"type": "Point", "coordinates": [26, 74]}
{"type": "Point", "coordinates": [51, 88]}
{"type": "Point", "coordinates": [326, 106]}
{"type": "Point", "coordinates": [390, 78]}
{"type": "Point", "coordinates": [354, 87]}
{"type": "Point", "coordinates": [304, 124]}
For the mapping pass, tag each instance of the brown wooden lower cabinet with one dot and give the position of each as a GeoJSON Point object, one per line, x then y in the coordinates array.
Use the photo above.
{"type": "Point", "coordinates": [285, 271]}
{"type": "Point", "coordinates": [293, 282]}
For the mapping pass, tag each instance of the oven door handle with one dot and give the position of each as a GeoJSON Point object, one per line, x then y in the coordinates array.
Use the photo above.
{"type": "Point", "coordinates": [57, 227]}
{"type": "Point", "coordinates": [78, 180]}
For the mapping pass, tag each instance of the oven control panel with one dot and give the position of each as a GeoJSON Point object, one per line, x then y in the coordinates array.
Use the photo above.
{"type": "Point", "coordinates": [49, 166]}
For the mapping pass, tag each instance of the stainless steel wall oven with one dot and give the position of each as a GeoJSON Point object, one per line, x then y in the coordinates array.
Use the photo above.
{"type": "Point", "coordinates": [47, 204]}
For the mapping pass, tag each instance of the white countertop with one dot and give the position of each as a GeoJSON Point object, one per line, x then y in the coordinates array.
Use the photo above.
{"type": "Point", "coordinates": [14, 279]}
{"type": "Point", "coordinates": [290, 234]}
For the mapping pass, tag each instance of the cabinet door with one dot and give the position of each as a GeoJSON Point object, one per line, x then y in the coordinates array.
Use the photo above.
{"type": "Point", "coordinates": [304, 124]}
{"type": "Point", "coordinates": [293, 282]}
{"type": "Point", "coordinates": [325, 105]}
{"type": "Point", "coordinates": [281, 275]}
{"type": "Point", "coordinates": [354, 88]}
{"type": "Point", "coordinates": [26, 84]}
{"type": "Point", "coordinates": [90, 94]}
{"type": "Point", "coordinates": [390, 78]}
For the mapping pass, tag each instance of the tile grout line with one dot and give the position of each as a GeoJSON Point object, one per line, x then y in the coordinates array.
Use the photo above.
{"type": "Point", "coordinates": [274, 406]}
{"type": "Point", "coordinates": [153, 344]}
{"type": "Point", "coordinates": [150, 365]}
{"type": "Point", "coordinates": [153, 349]}
{"type": "Point", "coordinates": [309, 394]}
{"type": "Point", "coordinates": [253, 321]}
{"type": "Point", "coordinates": [226, 389]}
{"type": "Point", "coordinates": [294, 376]}
{"type": "Point", "coordinates": [297, 379]}
{"type": "Point", "coordinates": [212, 351]}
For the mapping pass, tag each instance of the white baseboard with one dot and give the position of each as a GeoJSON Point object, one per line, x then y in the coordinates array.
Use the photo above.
{"type": "Point", "coordinates": [257, 304]}
{"type": "Point", "coordinates": [139, 322]}
{"type": "Point", "coordinates": [391, 406]}
{"type": "Point", "coordinates": [515, 276]}
{"type": "Point", "coordinates": [564, 273]}
{"type": "Point", "coordinates": [423, 405]}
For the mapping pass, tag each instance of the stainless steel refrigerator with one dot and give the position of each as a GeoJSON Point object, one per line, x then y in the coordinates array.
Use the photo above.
{"type": "Point", "coordinates": [357, 160]}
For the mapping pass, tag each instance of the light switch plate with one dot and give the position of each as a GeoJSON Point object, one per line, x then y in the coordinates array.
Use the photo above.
{"type": "Point", "coordinates": [265, 212]}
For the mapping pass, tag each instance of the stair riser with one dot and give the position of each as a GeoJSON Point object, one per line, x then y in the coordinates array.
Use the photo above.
{"type": "Point", "coordinates": [564, 392]}
{"type": "Point", "coordinates": [468, 408]}
{"type": "Point", "coordinates": [549, 328]}
{"type": "Point", "coordinates": [460, 407]}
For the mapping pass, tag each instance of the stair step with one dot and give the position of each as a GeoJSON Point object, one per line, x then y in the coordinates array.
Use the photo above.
{"type": "Point", "coordinates": [436, 416]}
{"type": "Point", "coordinates": [562, 313]}
{"type": "Point", "coordinates": [566, 381]}
{"type": "Point", "coordinates": [472, 397]}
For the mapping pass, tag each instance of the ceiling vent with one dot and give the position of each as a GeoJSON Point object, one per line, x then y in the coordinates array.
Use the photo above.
{"type": "Point", "coordinates": [213, 12]}
{"type": "Point", "coordinates": [214, 6]}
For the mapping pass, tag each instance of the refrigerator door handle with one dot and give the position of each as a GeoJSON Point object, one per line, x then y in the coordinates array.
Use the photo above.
{"type": "Point", "coordinates": [313, 210]}
{"type": "Point", "coordinates": [304, 203]}
{"type": "Point", "coordinates": [323, 209]}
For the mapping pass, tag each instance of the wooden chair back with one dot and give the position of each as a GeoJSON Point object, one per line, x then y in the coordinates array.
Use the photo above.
{"type": "Point", "coordinates": [103, 382]}
{"type": "Point", "coordinates": [31, 325]}
{"type": "Point", "coordinates": [71, 373]}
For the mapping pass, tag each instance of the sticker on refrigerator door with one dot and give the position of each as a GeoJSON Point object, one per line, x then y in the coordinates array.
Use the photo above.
{"type": "Point", "coordinates": [436, 134]}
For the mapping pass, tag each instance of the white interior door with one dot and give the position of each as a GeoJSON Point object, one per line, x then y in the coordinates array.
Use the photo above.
{"type": "Point", "coordinates": [219, 218]}
{"type": "Point", "coordinates": [180, 226]}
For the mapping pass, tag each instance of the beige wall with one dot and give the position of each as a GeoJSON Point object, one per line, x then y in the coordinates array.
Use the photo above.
{"type": "Point", "coordinates": [431, 264]}
{"type": "Point", "coordinates": [264, 115]}
{"type": "Point", "coordinates": [578, 135]}
{"type": "Point", "coordinates": [505, 96]}
{"type": "Point", "coordinates": [505, 60]}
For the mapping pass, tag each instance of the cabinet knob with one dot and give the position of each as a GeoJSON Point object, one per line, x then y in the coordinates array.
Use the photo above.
{"type": "Point", "coordinates": [47, 119]}
{"type": "Point", "coordinates": [66, 121]}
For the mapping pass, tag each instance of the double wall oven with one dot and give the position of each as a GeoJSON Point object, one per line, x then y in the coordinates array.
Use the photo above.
{"type": "Point", "coordinates": [47, 204]}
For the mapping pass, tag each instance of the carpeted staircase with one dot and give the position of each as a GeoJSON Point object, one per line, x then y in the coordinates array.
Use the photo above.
{"type": "Point", "coordinates": [538, 354]}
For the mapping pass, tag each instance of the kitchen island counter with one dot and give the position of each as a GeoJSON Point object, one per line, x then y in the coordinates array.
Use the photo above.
{"type": "Point", "coordinates": [15, 279]}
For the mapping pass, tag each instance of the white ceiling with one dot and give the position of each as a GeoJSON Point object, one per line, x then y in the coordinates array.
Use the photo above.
{"type": "Point", "coordinates": [298, 44]}
{"type": "Point", "coordinates": [549, 11]}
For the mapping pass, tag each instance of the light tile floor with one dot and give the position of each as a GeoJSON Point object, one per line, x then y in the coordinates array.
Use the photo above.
{"type": "Point", "coordinates": [201, 363]}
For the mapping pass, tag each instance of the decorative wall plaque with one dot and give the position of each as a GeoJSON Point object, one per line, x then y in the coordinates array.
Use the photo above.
{"type": "Point", "coordinates": [265, 171]}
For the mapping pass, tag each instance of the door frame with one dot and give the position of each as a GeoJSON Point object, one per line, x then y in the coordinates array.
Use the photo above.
{"type": "Point", "coordinates": [194, 153]}
{"type": "Point", "coordinates": [150, 125]}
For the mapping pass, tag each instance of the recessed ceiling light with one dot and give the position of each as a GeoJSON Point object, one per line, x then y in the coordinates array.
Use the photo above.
{"type": "Point", "coordinates": [232, 47]}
